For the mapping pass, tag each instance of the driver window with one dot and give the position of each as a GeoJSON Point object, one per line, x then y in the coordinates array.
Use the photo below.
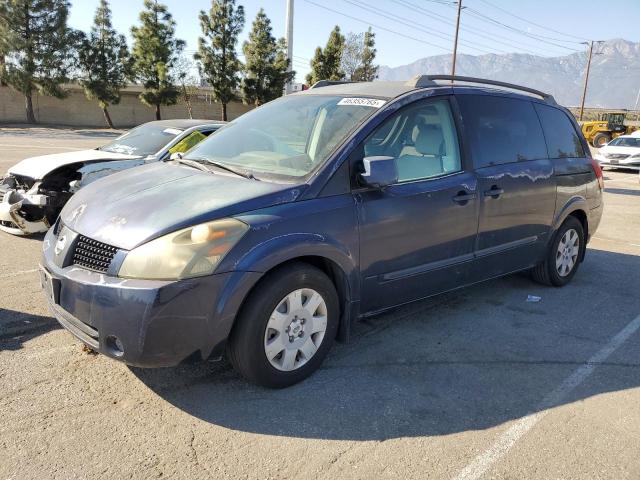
{"type": "Point", "coordinates": [422, 139]}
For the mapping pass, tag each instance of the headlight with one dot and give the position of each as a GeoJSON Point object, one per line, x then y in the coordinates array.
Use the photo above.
{"type": "Point", "coordinates": [191, 252]}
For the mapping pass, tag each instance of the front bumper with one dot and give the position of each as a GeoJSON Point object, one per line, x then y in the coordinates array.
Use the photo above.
{"type": "Point", "coordinates": [157, 323]}
{"type": "Point", "coordinates": [631, 163]}
{"type": "Point", "coordinates": [11, 219]}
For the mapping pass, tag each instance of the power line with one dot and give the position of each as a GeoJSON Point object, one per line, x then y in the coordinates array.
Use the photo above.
{"type": "Point", "coordinates": [536, 24]}
{"type": "Point", "coordinates": [519, 46]}
{"type": "Point", "coordinates": [485, 18]}
{"type": "Point", "coordinates": [378, 26]}
{"type": "Point", "coordinates": [411, 24]}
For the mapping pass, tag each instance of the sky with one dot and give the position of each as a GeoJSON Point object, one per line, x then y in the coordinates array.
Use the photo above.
{"type": "Point", "coordinates": [407, 30]}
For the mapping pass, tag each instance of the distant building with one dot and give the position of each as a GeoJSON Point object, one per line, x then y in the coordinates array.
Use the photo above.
{"type": "Point", "coordinates": [298, 87]}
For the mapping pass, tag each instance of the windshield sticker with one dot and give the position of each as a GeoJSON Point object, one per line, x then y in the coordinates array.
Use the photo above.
{"type": "Point", "coordinates": [362, 102]}
{"type": "Point", "coordinates": [172, 131]}
{"type": "Point", "coordinates": [124, 149]}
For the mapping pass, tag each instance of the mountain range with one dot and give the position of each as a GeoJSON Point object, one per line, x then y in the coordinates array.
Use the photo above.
{"type": "Point", "coordinates": [614, 79]}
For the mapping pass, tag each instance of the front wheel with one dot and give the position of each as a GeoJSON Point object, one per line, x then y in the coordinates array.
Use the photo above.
{"type": "Point", "coordinates": [564, 255]}
{"type": "Point", "coordinates": [286, 328]}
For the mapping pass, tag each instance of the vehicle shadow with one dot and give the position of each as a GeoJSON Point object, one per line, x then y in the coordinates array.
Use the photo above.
{"type": "Point", "coordinates": [16, 328]}
{"type": "Point", "coordinates": [623, 191]}
{"type": "Point", "coordinates": [467, 360]}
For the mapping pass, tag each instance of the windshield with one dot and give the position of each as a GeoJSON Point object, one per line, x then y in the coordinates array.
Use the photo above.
{"type": "Point", "coordinates": [288, 137]}
{"type": "Point", "coordinates": [625, 142]}
{"type": "Point", "coordinates": [144, 140]}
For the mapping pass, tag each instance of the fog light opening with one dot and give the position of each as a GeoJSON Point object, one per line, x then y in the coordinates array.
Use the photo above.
{"type": "Point", "coordinates": [114, 345]}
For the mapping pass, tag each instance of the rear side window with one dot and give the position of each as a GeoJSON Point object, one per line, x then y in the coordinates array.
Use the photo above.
{"type": "Point", "coordinates": [561, 136]}
{"type": "Point", "coordinates": [501, 130]}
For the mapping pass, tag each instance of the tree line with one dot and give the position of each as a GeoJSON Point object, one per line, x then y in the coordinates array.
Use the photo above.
{"type": "Point", "coordinates": [39, 53]}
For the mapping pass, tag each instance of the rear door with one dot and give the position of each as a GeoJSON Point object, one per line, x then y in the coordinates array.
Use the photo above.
{"type": "Point", "coordinates": [516, 185]}
{"type": "Point", "coordinates": [417, 236]}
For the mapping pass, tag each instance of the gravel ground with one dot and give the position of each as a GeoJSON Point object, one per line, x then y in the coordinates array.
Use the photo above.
{"type": "Point", "coordinates": [475, 384]}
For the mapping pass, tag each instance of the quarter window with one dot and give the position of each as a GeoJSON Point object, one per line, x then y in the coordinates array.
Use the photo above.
{"type": "Point", "coordinates": [501, 130]}
{"type": "Point", "coordinates": [422, 138]}
{"type": "Point", "coordinates": [562, 138]}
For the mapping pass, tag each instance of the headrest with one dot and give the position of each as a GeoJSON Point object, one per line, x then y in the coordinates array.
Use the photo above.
{"type": "Point", "coordinates": [429, 140]}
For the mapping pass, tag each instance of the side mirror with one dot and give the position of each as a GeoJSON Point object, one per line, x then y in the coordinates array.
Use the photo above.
{"type": "Point", "coordinates": [380, 171]}
{"type": "Point", "coordinates": [176, 156]}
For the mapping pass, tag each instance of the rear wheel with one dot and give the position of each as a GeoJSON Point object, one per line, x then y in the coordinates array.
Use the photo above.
{"type": "Point", "coordinates": [601, 139]}
{"type": "Point", "coordinates": [564, 255]}
{"type": "Point", "coordinates": [286, 327]}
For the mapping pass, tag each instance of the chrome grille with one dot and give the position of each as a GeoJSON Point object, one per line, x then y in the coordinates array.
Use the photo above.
{"type": "Point", "coordinates": [617, 156]}
{"type": "Point", "coordinates": [93, 255]}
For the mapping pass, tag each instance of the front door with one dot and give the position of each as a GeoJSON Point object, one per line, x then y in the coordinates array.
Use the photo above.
{"type": "Point", "coordinates": [516, 185]}
{"type": "Point", "coordinates": [417, 236]}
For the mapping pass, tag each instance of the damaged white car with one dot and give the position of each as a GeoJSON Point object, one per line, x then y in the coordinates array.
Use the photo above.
{"type": "Point", "coordinates": [34, 191]}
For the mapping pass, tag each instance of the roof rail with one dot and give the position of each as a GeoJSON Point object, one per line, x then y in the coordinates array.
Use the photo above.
{"type": "Point", "coordinates": [429, 81]}
{"type": "Point", "coordinates": [326, 83]}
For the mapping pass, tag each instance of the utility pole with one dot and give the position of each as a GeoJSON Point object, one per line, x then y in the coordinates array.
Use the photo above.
{"type": "Point", "coordinates": [455, 42]}
{"type": "Point", "coordinates": [586, 77]}
{"type": "Point", "coordinates": [289, 40]}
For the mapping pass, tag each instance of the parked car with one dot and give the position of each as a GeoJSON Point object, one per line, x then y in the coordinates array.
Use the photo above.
{"type": "Point", "coordinates": [270, 237]}
{"type": "Point", "coordinates": [34, 191]}
{"type": "Point", "coordinates": [621, 152]}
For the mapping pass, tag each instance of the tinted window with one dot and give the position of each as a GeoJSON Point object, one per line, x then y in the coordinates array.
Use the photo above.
{"type": "Point", "coordinates": [561, 136]}
{"type": "Point", "coordinates": [422, 138]}
{"type": "Point", "coordinates": [501, 130]}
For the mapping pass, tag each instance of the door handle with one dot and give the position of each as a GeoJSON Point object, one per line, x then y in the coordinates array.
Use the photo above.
{"type": "Point", "coordinates": [494, 192]}
{"type": "Point", "coordinates": [463, 197]}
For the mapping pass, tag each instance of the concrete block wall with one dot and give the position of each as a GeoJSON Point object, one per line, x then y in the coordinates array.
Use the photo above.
{"type": "Point", "coordinates": [76, 110]}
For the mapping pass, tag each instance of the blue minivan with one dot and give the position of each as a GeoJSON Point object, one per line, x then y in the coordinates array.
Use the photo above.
{"type": "Point", "coordinates": [269, 238]}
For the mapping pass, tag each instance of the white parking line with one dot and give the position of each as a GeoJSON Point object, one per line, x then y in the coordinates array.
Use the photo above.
{"type": "Point", "coordinates": [15, 274]}
{"type": "Point", "coordinates": [485, 460]}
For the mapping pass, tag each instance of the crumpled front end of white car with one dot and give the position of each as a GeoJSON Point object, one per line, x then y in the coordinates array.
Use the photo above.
{"type": "Point", "coordinates": [23, 211]}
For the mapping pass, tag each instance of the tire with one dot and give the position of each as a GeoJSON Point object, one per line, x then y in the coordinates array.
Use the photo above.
{"type": "Point", "coordinates": [271, 320]}
{"type": "Point", "coordinates": [548, 272]}
{"type": "Point", "coordinates": [600, 139]}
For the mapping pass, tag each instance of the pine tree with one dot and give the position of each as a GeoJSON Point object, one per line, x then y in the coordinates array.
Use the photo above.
{"type": "Point", "coordinates": [367, 72]}
{"type": "Point", "coordinates": [326, 64]}
{"type": "Point", "coordinates": [218, 61]}
{"type": "Point", "coordinates": [37, 47]}
{"type": "Point", "coordinates": [104, 63]}
{"type": "Point", "coordinates": [155, 50]}
{"type": "Point", "coordinates": [266, 64]}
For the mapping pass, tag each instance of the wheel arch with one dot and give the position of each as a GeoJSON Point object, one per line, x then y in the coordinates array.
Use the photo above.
{"type": "Point", "coordinates": [337, 259]}
{"type": "Point", "coordinates": [338, 277]}
{"type": "Point", "coordinates": [576, 208]}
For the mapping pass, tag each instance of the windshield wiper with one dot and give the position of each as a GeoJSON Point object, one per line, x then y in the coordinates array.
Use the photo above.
{"type": "Point", "coordinates": [192, 163]}
{"type": "Point", "coordinates": [224, 166]}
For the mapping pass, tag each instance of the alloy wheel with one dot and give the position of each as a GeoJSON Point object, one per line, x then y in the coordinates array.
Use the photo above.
{"type": "Point", "coordinates": [567, 253]}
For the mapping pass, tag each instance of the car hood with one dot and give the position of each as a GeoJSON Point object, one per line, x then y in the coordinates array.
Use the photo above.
{"type": "Point", "coordinates": [38, 167]}
{"type": "Point", "coordinates": [619, 150]}
{"type": "Point", "coordinates": [131, 207]}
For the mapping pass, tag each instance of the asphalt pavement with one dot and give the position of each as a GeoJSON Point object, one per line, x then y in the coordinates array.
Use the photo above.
{"type": "Point", "coordinates": [479, 383]}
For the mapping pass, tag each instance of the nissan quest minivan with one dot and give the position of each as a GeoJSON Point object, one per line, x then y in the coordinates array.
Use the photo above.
{"type": "Point", "coordinates": [268, 239]}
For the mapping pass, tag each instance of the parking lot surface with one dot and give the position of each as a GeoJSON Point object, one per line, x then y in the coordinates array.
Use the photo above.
{"type": "Point", "coordinates": [479, 383]}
